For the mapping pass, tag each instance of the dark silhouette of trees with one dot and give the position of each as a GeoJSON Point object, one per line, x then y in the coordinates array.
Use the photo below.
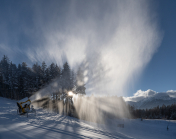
{"type": "Point", "coordinates": [164, 112]}
{"type": "Point", "coordinates": [17, 82]}
{"type": "Point", "coordinates": [80, 85]}
{"type": "Point", "coordinates": [66, 77]}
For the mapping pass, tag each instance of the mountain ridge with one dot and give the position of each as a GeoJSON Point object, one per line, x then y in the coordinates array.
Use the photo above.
{"type": "Point", "coordinates": [153, 100]}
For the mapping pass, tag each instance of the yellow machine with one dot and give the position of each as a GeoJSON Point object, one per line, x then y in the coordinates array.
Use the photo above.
{"type": "Point", "coordinates": [24, 106]}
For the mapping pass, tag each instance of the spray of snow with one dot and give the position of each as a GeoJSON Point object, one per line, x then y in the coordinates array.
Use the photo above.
{"type": "Point", "coordinates": [99, 109]}
{"type": "Point", "coordinates": [113, 41]}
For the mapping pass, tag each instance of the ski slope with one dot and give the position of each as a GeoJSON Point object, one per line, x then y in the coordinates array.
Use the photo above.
{"type": "Point", "coordinates": [51, 125]}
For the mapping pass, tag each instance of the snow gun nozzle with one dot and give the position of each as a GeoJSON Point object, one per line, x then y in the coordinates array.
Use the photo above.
{"type": "Point", "coordinates": [70, 93]}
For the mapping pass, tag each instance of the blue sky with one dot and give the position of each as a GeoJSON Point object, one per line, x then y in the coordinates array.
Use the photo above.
{"type": "Point", "coordinates": [160, 73]}
{"type": "Point", "coordinates": [33, 31]}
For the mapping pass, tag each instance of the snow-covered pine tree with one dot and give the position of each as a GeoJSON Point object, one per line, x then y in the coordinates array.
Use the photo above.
{"type": "Point", "coordinates": [43, 70]}
{"type": "Point", "coordinates": [1, 81]}
{"type": "Point", "coordinates": [25, 79]}
{"type": "Point", "coordinates": [73, 79]}
{"type": "Point", "coordinates": [20, 82]}
{"type": "Point", "coordinates": [5, 68]}
{"type": "Point", "coordinates": [66, 78]}
{"type": "Point", "coordinates": [52, 69]}
{"type": "Point", "coordinates": [38, 74]}
{"type": "Point", "coordinates": [47, 76]}
{"type": "Point", "coordinates": [12, 79]}
{"type": "Point", "coordinates": [31, 83]}
{"type": "Point", "coordinates": [57, 71]}
{"type": "Point", "coordinates": [80, 85]}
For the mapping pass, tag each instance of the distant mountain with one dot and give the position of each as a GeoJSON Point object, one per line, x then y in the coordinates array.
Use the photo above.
{"type": "Point", "coordinates": [151, 101]}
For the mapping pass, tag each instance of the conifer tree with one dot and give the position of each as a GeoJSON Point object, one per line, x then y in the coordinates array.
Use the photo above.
{"type": "Point", "coordinates": [73, 79]}
{"type": "Point", "coordinates": [80, 85]}
{"type": "Point", "coordinates": [66, 79]}
{"type": "Point", "coordinates": [19, 82]}
{"type": "Point", "coordinates": [43, 70]}
{"type": "Point", "coordinates": [5, 68]}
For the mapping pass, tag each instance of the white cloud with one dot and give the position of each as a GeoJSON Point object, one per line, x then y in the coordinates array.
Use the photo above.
{"type": "Point", "coordinates": [144, 93]}
{"type": "Point", "coordinates": [139, 95]}
{"type": "Point", "coordinates": [171, 93]}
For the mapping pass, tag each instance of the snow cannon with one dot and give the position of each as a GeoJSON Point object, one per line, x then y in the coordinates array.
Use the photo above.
{"type": "Point", "coordinates": [24, 106]}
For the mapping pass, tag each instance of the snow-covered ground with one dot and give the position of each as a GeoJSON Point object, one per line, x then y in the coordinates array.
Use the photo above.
{"type": "Point", "coordinates": [51, 125]}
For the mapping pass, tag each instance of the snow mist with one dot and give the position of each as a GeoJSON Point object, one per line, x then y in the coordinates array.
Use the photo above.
{"type": "Point", "coordinates": [100, 109]}
{"type": "Point", "coordinates": [112, 40]}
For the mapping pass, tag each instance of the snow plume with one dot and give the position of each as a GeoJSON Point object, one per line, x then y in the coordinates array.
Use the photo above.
{"type": "Point", "coordinates": [94, 109]}
{"type": "Point", "coordinates": [112, 40]}
{"type": "Point", "coordinates": [99, 109]}
{"type": "Point", "coordinates": [53, 87]}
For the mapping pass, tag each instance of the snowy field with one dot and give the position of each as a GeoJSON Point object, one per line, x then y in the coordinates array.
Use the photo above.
{"type": "Point", "coordinates": [51, 125]}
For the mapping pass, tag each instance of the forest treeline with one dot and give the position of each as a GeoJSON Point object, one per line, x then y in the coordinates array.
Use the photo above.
{"type": "Point", "coordinates": [17, 82]}
{"type": "Point", "coordinates": [164, 112]}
